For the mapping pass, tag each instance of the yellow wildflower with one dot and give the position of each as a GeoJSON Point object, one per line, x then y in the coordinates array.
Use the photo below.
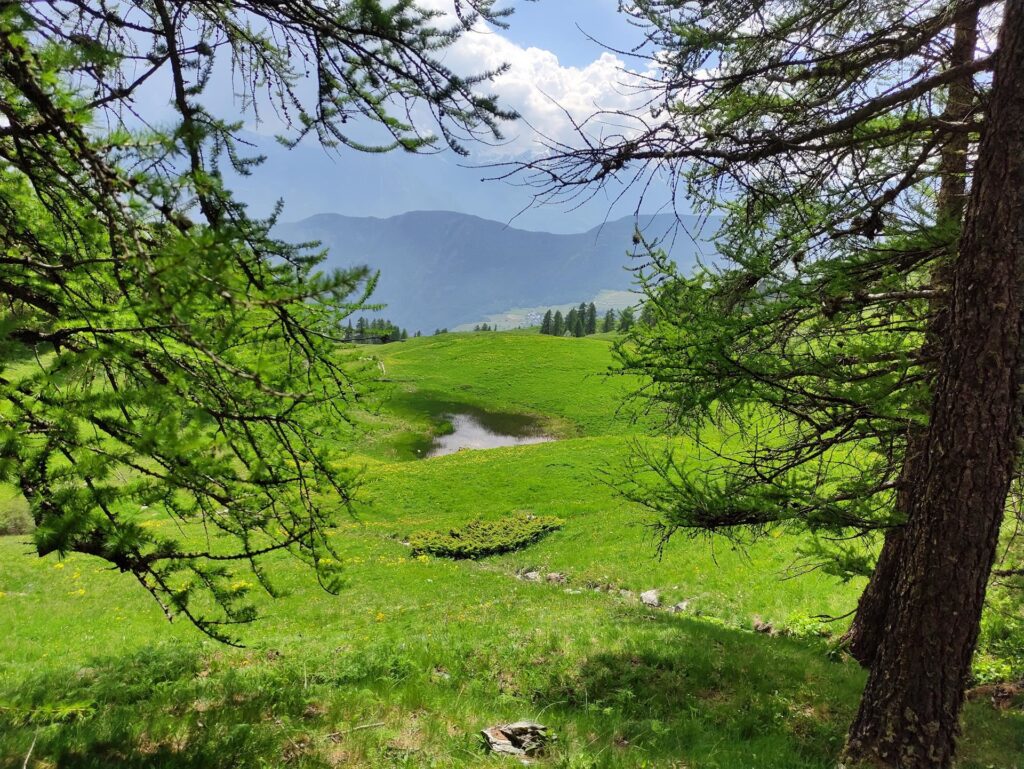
{"type": "Point", "coordinates": [380, 616]}
{"type": "Point", "coordinates": [58, 566]}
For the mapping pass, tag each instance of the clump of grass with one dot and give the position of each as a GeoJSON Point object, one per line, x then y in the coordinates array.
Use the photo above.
{"type": "Point", "coordinates": [481, 538]}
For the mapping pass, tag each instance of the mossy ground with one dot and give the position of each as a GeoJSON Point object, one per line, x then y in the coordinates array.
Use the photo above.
{"type": "Point", "coordinates": [417, 654]}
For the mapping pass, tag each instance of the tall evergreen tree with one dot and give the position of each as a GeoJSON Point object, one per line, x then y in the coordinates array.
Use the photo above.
{"type": "Point", "coordinates": [546, 324]}
{"type": "Point", "coordinates": [571, 320]}
{"type": "Point", "coordinates": [647, 314]}
{"type": "Point", "coordinates": [609, 322]}
{"type": "Point", "coordinates": [591, 319]}
{"type": "Point", "coordinates": [158, 346]}
{"type": "Point", "coordinates": [849, 320]}
{"type": "Point", "coordinates": [626, 319]}
{"type": "Point", "coordinates": [558, 324]}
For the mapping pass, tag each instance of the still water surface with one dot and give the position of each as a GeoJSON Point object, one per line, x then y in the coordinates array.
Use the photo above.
{"type": "Point", "coordinates": [469, 431]}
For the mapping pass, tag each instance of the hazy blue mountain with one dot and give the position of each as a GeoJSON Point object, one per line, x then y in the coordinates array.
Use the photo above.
{"type": "Point", "coordinates": [311, 180]}
{"type": "Point", "coordinates": [440, 269]}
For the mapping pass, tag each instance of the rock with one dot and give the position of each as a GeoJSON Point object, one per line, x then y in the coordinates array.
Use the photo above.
{"type": "Point", "coordinates": [1002, 696]}
{"type": "Point", "coordinates": [522, 738]}
{"type": "Point", "coordinates": [760, 626]}
{"type": "Point", "coordinates": [558, 577]}
{"type": "Point", "coordinates": [629, 595]}
{"type": "Point", "coordinates": [650, 598]}
{"type": "Point", "coordinates": [532, 576]}
{"type": "Point", "coordinates": [499, 742]}
{"type": "Point", "coordinates": [680, 607]}
{"type": "Point", "coordinates": [440, 674]}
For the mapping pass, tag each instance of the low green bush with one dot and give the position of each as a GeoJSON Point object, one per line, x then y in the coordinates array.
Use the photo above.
{"type": "Point", "coordinates": [480, 538]}
{"type": "Point", "coordinates": [14, 517]}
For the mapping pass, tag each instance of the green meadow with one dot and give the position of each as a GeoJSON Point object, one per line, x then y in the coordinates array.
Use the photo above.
{"type": "Point", "coordinates": [418, 653]}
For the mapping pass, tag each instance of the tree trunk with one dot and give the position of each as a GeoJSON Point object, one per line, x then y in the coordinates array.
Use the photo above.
{"type": "Point", "coordinates": [865, 634]}
{"type": "Point", "coordinates": [868, 626]}
{"type": "Point", "coordinates": [909, 713]}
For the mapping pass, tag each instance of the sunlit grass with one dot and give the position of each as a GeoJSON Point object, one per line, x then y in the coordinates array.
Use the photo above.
{"type": "Point", "coordinates": [417, 654]}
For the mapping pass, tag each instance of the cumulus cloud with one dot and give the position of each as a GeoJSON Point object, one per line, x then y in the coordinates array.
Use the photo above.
{"type": "Point", "coordinates": [550, 97]}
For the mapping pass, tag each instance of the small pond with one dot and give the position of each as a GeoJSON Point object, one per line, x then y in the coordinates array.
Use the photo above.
{"type": "Point", "coordinates": [484, 430]}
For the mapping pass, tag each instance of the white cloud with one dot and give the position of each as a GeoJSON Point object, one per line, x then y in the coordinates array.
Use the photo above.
{"type": "Point", "coordinates": [542, 90]}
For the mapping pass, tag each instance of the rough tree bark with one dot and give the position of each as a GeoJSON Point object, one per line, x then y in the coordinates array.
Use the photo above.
{"type": "Point", "coordinates": [910, 709]}
{"type": "Point", "coordinates": [868, 626]}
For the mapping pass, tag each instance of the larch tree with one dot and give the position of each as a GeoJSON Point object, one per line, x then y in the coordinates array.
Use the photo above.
{"type": "Point", "coordinates": [163, 355]}
{"type": "Point", "coordinates": [859, 339]}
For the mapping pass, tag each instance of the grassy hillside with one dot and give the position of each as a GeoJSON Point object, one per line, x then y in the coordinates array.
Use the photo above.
{"type": "Point", "coordinates": [418, 654]}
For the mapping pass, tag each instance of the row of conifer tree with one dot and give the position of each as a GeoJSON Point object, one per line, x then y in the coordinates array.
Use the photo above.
{"type": "Point", "coordinates": [582, 321]}
{"type": "Point", "coordinates": [375, 331]}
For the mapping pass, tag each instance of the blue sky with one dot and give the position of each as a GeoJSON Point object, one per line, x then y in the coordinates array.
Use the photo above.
{"type": "Point", "coordinates": [556, 26]}
{"type": "Point", "coordinates": [554, 65]}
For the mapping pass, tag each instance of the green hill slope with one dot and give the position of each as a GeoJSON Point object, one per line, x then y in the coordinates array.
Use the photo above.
{"type": "Point", "coordinates": [418, 654]}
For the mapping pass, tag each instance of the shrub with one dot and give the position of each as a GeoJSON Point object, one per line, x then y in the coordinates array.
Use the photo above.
{"type": "Point", "coordinates": [15, 517]}
{"type": "Point", "coordinates": [480, 538]}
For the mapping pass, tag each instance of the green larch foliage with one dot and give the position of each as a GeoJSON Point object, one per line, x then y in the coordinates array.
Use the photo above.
{"type": "Point", "coordinates": [162, 355]}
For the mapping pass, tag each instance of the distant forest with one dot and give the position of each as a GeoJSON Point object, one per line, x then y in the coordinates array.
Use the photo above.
{"type": "Point", "coordinates": [582, 321]}
{"type": "Point", "coordinates": [375, 331]}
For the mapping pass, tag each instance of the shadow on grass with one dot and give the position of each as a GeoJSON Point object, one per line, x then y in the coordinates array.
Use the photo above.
{"type": "Point", "coordinates": [690, 693]}
{"type": "Point", "coordinates": [172, 707]}
{"type": "Point", "coordinates": [647, 690]}
{"type": "Point", "coordinates": [687, 691]}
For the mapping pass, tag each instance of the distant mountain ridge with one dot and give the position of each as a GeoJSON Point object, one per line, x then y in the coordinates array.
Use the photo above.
{"type": "Point", "coordinates": [440, 269]}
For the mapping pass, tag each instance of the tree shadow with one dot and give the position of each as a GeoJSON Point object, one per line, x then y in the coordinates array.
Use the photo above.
{"type": "Point", "coordinates": [660, 690]}
{"type": "Point", "coordinates": [685, 690]}
{"type": "Point", "coordinates": [690, 692]}
{"type": "Point", "coordinates": [173, 706]}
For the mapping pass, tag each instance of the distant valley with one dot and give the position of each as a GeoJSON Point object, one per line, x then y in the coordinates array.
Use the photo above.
{"type": "Point", "coordinates": [441, 269]}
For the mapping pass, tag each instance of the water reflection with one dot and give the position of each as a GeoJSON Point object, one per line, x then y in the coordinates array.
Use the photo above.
{"type": "Point", "coordinates": [468, 432]}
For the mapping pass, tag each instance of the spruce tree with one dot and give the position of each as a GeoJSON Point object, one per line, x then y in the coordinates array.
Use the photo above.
{"type": "Point", "coordinates": [571, 319]}
{"type": "Point", "coordinates": [626, 320]}
{"type": "Point", "coordinates": [558, 324]}
{"type": "Point", "coordinates": [160, 348]}
{"type": "Point", "coordinates": [609, 322]}
{"type": "Point", "coordinates": [546, 324]}
{"type": "Point", "coordinates": [851, 316]}
{"type": "Point", "coordinates": [591, 319]}
{"type": "Point", "coordinates": [647, 315]}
